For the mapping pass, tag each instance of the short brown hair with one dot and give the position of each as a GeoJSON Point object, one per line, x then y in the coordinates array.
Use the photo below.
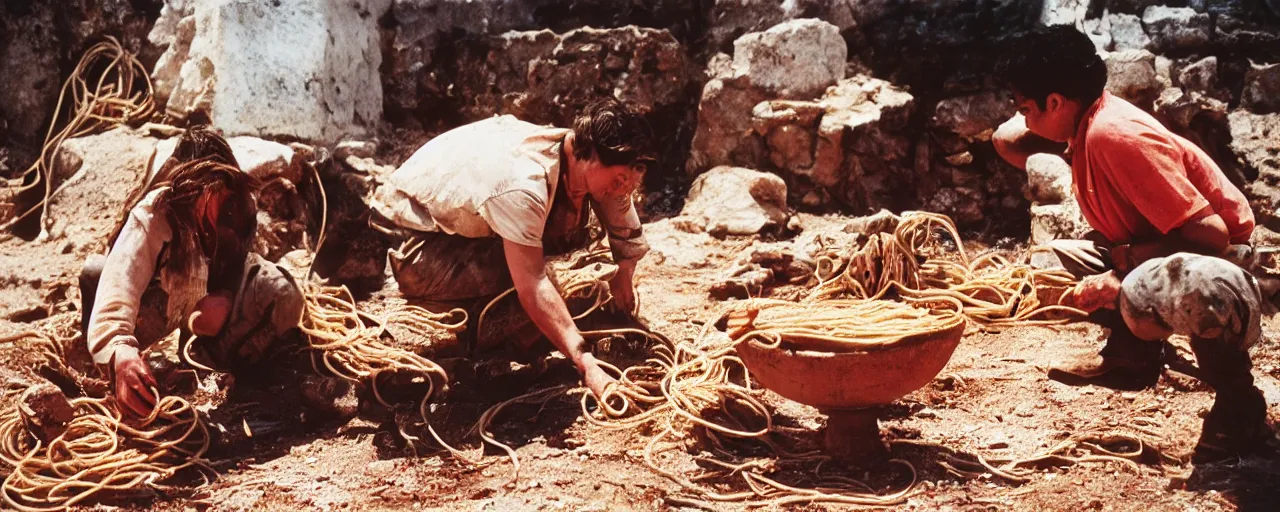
{"type": "Point", "coordinates": [614, 133]}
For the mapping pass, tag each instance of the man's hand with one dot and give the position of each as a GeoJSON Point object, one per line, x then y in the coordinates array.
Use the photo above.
{"type": "Point", "coordinates": [133, 382]}
{"type": "Point", "coordinates": [1101, 291]}
{"type": "Point", "coordinates": [210, 314]}
{"type": "Point", "coordinates": [623, 288]}
{"type": "Point", "coordinates": [1122, 258]}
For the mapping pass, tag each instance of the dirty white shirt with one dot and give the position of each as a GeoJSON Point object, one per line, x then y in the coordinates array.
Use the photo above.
{"type": "Point", "coordinates": [129, 269]}
{"type": "Point", "coordinates": [495, 177]}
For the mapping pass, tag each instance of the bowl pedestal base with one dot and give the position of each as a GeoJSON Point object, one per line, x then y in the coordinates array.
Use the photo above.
{"type": "Point", "coordinates": [854, 435]}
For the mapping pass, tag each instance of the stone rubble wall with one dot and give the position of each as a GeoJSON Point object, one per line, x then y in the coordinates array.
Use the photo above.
{"type": "Point", "coordinates": [857, 105]}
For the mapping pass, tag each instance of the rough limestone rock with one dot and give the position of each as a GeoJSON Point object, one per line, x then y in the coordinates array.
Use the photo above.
{"type": "Point", "coordinates": [1131, 74]}
{"type": "Point", "coordinates": [1202, 119]}
{"type": "Point", "coordinates": [797, 59]}
{"type": "Point", "coordinates": [1099, 31]}
{"type": "Point", "coordinates": [422, 25]}
{"type": "Point", "coordinates": [730, 19]}
{"type": "Point", "coordinates": [1253, 139]}
{"type": "Point", "coordinates": [962, 204]}
{"type": "Point", "coordinates": [263, 159]}
{"type": "Point", "coordinates": [974, 117]}
{"type": "Point", "coordinates": [305, 69]}
{"type": "Point", "coordinates": [857, 148]}
{"type": "Point", "coordinates": [1057, 222]}
{"type": "Point", "coordinates": [1190, 110]}
{"type": "Point", "coordinates": [1176, 28]}
{"type": "Point", "coordinates": [1244, 31]}
{"type": "Point", "coordinates": [1048, 179]}
{"type": "Point", "coordinates": [101, 171]}
{"type": "Point", "coordinates": [724, 115]}
{"type": "Point", "coordinates": [1127, 33]}
{"type": "Point", "coordinates": [546, 77]}
{"type": "Point", "coordinates": [1201, 75]}
{"type": "Point", "coordinates": [1261, 92]}
{"type": "Point", "coordinates": [50, 411]}
{"type": "Point", "coordinates": [1129, 6]}
{"type": "Point", "coordinates": [95, 174]}
{"type": "Point", "coordinates": [356, 148]}
{"type": "Point", "coordinates": [737, 201]}
{"type": "Point", "coordinates": [421, 39]}
{"type": "Point", "coordinates": [883, 221]}
{"type": "Point", "coordinates": [1064, 12]}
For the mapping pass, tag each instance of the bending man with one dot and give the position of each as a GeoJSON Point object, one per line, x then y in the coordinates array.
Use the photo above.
{"type": "Point", "coordinates": [489, 201]}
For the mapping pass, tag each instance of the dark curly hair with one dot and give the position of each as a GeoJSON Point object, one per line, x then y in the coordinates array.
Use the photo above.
{"type": "Point", "coordinates": [613, 132]}
{"type": "Point", "coordinates": [1055, 59]}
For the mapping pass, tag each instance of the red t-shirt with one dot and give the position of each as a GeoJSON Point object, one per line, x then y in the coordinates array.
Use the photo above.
{"type": "Point", "coordinates": [1134, 179]}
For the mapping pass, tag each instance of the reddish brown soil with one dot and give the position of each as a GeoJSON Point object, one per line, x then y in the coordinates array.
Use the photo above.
{"type": "Point", "coordinates": [993, 398]}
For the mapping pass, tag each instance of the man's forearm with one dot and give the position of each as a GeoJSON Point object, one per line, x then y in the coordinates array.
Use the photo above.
{"type": "Point", "coordinates": [548, 311]}
{"type": "Point", "coordinates": [1130, 256]}
{"type": "Point", "coordinates": [627, 269]}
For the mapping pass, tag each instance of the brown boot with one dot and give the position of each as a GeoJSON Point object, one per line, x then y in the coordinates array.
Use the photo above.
{"type": "Point", "coordinates": [1126, 362]}
{"type": "Point", "coordinates": [1236, 425]}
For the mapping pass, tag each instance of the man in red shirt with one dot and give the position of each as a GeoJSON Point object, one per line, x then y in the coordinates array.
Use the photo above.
{"type": "Point", "coordinates": [1162, 212]}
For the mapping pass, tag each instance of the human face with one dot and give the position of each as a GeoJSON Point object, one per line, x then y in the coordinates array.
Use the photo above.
{"type": "Point", "coordinates": [208, 208]}
{"type": "Point", "coordinates": [615, 180]}
{"type": "Point", "coordinates": [1056, 121]}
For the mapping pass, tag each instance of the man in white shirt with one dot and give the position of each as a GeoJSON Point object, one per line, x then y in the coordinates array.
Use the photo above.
{"type": "Point", "coordinates": [489, 201]}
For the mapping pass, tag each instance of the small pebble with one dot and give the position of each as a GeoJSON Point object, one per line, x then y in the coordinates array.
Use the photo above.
{"type": "Point", "coordinates": [312, 460]}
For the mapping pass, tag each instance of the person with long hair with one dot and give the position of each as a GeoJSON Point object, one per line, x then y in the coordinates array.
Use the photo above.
{"type": "Point", "coordinates": [180, 258]}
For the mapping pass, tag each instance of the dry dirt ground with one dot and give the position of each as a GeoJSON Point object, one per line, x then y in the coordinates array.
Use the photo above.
{"type": "Point", "coordinates": [993, 398]}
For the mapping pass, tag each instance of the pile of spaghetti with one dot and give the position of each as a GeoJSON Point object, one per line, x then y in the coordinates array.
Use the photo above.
{"type": "Point", "coordinates": [348, 344]}
{"type": "Point", "coordinates": [836, 325]}
{"type": "Point", "coordinates": [912, 264]}
{"type": "Point", "coordinates": [700, 392]}
{"type": "Point", "coordinates": [91, 450]}
{"type": "Point", "coordinates": [117, 92]}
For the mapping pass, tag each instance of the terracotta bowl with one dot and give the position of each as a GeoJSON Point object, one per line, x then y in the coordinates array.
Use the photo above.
{"type": "Point", "coordinates": [853, 379]}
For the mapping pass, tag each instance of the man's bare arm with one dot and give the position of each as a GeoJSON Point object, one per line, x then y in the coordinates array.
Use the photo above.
{"type": "Point", "coordinates": [544, 305]}
{"type": "Point", "coordinates": [1206, 233]}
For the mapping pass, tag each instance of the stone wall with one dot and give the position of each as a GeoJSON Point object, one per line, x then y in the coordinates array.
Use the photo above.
{"type": "Point", "coordinates": [40, 43]}
{"type": "Point", "coordinates": [856, 104]}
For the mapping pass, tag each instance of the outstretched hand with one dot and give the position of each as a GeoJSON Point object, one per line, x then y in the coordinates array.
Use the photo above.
{"type": "Point", "coordinates": [134, 382]}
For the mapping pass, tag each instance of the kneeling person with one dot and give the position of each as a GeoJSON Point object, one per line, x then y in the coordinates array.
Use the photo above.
{"type": "Point", "coordinates": [180, 257]}
{"type": "Point", "coordinates": [489, 201]}
{"type": "Point", "coordinates": [1164, 217]}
